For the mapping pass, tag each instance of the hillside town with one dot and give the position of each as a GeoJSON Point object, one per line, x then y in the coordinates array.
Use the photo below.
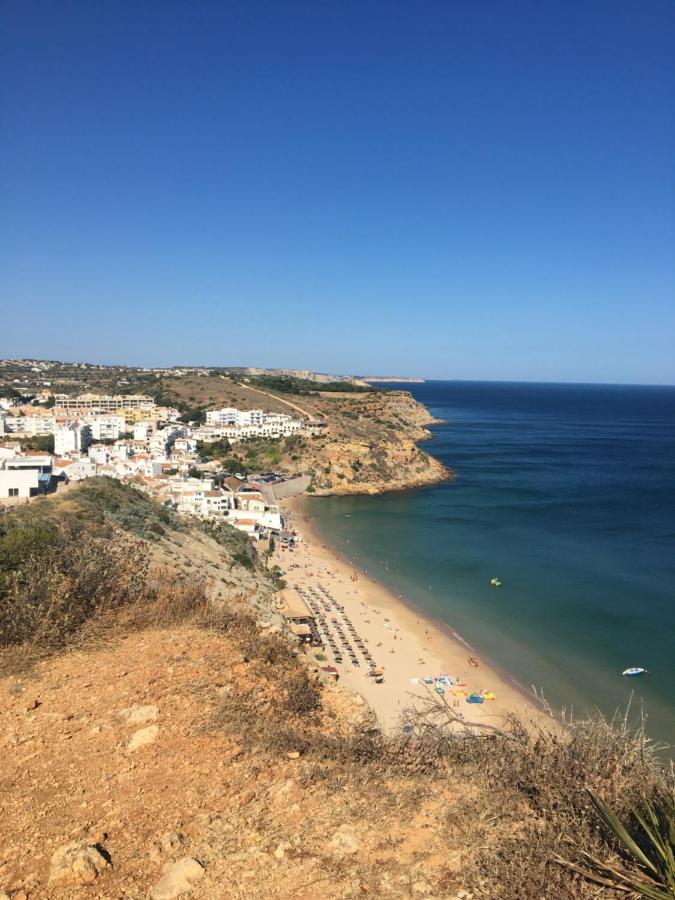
{"type": "Point", "coordinates": [58, 439]}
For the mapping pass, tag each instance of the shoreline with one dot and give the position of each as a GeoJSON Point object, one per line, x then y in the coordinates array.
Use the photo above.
{"type": "Point", "coordinates": [406, 642]}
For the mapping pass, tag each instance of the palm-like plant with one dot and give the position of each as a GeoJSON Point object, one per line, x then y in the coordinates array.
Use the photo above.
{"type": "Point", "coordinates": [654, 873]}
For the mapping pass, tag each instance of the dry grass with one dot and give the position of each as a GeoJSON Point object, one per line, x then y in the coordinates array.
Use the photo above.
{"type": "Point", "coordinates": [527, 804]}
{"type": "Point", "coordinates": [514, 799]}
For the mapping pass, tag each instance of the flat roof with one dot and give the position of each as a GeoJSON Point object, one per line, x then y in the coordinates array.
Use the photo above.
{"type": "Point", "coordinates": [294, 607]}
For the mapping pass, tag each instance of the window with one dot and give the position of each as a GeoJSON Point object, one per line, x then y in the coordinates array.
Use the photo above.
{"type": "Point", "coordinates": [13, 492]}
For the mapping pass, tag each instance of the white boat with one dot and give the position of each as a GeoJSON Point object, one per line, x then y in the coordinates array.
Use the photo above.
{"type": "Point", "coordinates": [632, 672]}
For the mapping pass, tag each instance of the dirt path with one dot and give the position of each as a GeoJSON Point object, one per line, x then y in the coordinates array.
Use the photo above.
{"type": "Point", "coordinates": [279, 399]}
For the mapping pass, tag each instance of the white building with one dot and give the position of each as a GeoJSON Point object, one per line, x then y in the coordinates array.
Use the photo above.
{"type": "Point", "coordinates": [16, 483]}
{"type": "Point", "coordinates": [28, 425]}
{"type": "Point", "coordinates": [237, 423]}
{"type": "Point", "coordinates": [72, 439]}
{"type": "Point", "coordinates": [106, 428]}
{"type": "Point", "coordinates": [25, 476]}
{"type": "Point", "coordinates": [75, 469]}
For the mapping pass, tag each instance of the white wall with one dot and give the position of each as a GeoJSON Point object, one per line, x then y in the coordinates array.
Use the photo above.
{"type": "Point", "coordinates": [25, 481]}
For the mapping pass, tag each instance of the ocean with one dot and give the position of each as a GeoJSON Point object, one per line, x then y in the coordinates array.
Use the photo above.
{"type": "Point", "coordinates": [566, 493]}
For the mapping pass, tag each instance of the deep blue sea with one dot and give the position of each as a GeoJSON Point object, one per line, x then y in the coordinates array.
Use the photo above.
{"type": "Point", "coordinates": [567, 494]}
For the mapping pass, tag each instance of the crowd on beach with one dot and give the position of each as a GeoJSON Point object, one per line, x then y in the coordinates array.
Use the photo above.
{"type": "Point", "coordinates": [380, 648]}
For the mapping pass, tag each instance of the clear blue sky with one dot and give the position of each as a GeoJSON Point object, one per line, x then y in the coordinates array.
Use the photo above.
{"type": "Point", "coordinates": [450, 189]}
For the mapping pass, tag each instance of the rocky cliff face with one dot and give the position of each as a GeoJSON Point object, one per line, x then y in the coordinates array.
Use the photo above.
{"type": "Point", "coordinates": [371, 446]}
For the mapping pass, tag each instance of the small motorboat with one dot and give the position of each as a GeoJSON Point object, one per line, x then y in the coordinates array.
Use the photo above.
{"type": "Point", "coordinates": [496, 582]}
{"type": "Point", "coordinates": [635, 670]}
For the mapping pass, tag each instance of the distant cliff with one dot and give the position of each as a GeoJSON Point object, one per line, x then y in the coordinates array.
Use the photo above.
{"type": "Point", "coordinates": [373, 379]}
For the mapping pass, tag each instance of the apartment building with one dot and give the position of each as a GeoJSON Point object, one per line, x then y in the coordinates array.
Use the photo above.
{"type": "Point", "coordinates": [103, 402]}
{"type": "Point", "coordinates": [237, 423]}
{"type": "Point", "coordinates": [72, 439]}
{"type": "Point", "coordinates": [28, 425]}
{"type": "Point", "coordinates": [106, 428]}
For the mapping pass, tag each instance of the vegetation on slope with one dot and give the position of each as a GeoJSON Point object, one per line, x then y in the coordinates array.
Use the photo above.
{"type": "Point", "coordinates": [287, 384]}
{"type": "Point", "coordinates": [513, 805]}
{"type": "Point", "coordinates": [70, 560]}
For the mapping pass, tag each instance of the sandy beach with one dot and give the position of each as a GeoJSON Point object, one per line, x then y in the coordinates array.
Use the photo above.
{"type": "Point", "coordinates": [406, 645]}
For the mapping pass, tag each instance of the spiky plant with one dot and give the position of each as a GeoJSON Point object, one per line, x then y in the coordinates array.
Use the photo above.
{"type": "Point", "coordinates": [654, 857]}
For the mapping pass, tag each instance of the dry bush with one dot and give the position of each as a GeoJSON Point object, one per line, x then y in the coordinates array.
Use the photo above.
{"type": "Point", "coordinates": [60, 586]}
{"type": "Point", "coordinates": [525, 802]}
{"type": "Point", "coordinates": [531, 789]}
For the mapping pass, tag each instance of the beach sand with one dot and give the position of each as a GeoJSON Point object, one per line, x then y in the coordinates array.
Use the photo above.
{"type": "Point", "coordinates": [401, 640]}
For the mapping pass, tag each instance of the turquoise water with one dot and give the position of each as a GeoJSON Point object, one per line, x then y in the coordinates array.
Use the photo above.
{"type": "Point", "coordinates": [567, 494]}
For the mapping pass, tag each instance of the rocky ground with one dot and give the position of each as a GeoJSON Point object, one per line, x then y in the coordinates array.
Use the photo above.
{"type": "Point", "coordinates": [120, 780]}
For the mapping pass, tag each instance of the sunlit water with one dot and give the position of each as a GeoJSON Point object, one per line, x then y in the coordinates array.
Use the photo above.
{"type": "Point", "coordinates": [567, 494]}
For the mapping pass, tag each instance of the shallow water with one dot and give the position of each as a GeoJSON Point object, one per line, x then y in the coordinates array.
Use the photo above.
{"type": "Point", "coordinates": [567, 494]}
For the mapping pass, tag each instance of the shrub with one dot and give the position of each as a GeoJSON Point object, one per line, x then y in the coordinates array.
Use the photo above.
{"type": "Point", "coordinates": [63, 577]}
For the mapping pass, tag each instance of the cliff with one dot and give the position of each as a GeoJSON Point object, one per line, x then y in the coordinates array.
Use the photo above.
{"type": "Point", "coordinates": [371, 445]}
{"type": "Point", "coordinates": [162, 737]}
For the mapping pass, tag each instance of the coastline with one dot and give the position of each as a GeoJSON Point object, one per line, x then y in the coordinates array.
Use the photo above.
{"type": "Point", "coordinates": [407, 643]}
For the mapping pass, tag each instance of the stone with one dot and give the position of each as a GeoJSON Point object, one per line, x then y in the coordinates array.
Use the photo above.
{"type": "Point", "coordinates": [344, 841]}
{"type": "Point", "coordinates": [76, 863]}
{"type": "Point", "coordinates": [167, 846]}
{"type": "Point", "coordinates": [282, 849]}
{"type": "Point", "coordinates": [143, 737]}
{"type": "Point", "coordinates": [179, 878]}
{"type": "Point", "coordinates": [135, 715]}
{"type": "Point", "coordinates": [293, 754]}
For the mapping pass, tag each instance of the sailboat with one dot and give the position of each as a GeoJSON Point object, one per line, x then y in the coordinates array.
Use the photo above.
{"type": "Point", "coordinates": [635, 670]}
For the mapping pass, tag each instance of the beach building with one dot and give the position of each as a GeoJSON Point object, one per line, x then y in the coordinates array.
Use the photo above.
{"type": "Point", "coordinates": [301, 618]}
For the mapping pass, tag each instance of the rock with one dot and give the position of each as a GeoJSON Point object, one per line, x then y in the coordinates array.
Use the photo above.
{"type": "Point", "coordinates": [179, 878]}
{"type": "Point", "coordinates": [168, 845]}
{"type": "Point", "coordinates": [143, 737]}
{"type": "Point", "coordinates": [344, 841]}
{"type": "Point", "coordinates": [282, 848]}
{"type": "Point", "coordinates": [293, 754]}
{"type": "Point", "coordinates": [135, 715]}
{"type": "Point", "coordinates": [77, 863]}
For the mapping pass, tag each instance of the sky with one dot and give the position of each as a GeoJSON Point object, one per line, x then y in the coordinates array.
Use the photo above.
{"type": "Point", "coordinates": [441, 189]}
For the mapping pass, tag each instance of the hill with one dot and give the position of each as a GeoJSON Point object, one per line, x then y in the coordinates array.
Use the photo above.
{"type": "Point", "coordinates": [162, 734]}
{"type": "Point", "coordinates": [369, 444]}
